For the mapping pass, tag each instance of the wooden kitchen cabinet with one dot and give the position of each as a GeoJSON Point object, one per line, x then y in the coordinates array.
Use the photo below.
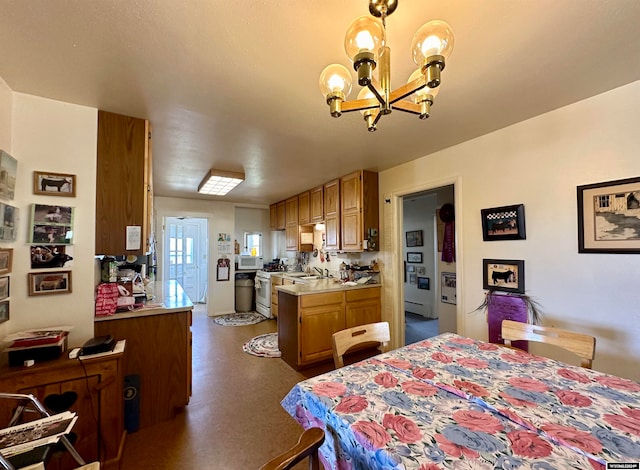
{"type": "Point", "coordinates": [159, 351]}
{"type": "Point", "coordinates": [316, 196]}
{"type": "Point", "coordinates": [273, 217]}
{"type": "Point", "coordinates": [307, 322]}
{"type": "Point", "coordinates": [304, 214]}
{"type": "Point", "coordinates": [332, 214]}
{"type": "Point", "coordinates": [123, 183]}
{"type": "Point", "coordinates": [275, 281]}
{"type": "Point", "coordinates": [97, 384]}
{"type": "Point", "coordinates": [291, 230]}
{"type": "Point", "coordinates": [359, 211]}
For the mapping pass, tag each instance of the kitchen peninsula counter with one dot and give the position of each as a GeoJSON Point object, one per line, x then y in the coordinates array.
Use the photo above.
{"type": "Point", "coordinates": [309, 313]}
{"type": "Point", "coordinates": [158, 351]}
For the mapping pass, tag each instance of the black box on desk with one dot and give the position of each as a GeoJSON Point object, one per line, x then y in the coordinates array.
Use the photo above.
{"type": "Point", "coordinates": [42, 352]}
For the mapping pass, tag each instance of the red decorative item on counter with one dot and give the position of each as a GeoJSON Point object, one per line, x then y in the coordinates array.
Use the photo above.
{"type": "Point", "coordinates": [106, 299]}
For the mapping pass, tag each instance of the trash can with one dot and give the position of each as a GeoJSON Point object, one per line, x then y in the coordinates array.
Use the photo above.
{"type": "Point", "coordinates": [244, 295]}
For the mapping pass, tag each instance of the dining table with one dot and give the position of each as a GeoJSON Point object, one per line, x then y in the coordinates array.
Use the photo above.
{"type": "Point", "coordinates": [461, 403]}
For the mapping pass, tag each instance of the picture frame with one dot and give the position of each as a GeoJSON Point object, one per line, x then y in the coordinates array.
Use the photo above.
{"type": "Point", "coordinates": [51, 225]}
{"type": "Point", "coordinates": [411, 268]}
{"type": "Point", "coordinates": [414, 257]}
{"type": "Point", "coordinates": [8, 167]}
{"type": "Point", "coordinates": [448, 288]}
{"type": "Point", "coordinates": [4, 311]}
{"type": "Point", "coordinates": [423, 283]}
{"type": "Point", "coordinates": [420, 270]}
{"type": "Point", "coordinates": [412, 278]}
{"type": "Point", "coordinates": [8, 222]}
{"type": "Point", "coordinates": [47, 183]}
{"type": "Point", "coordinates": [503, 223]}
{"type": "Point", "coordinates": [6, 260]}
{"type": "Point", "coordinates": [5, 282]}
{"type": "Point", "coordinates": [49, 256]}
{"type": "Point", "coordinates": [49, 282]}
{"type": "Point", "coordinates": [609, 217]}
{"type": "Point", "coordinates": [414, 238]}
{"type": "Point", "coordinates": [503, 274]}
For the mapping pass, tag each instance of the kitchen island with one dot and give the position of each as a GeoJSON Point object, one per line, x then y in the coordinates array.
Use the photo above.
{"type": "Point", "coordinates": [309, 313]}
{"type": "Point", "coordinates": [158, 351]}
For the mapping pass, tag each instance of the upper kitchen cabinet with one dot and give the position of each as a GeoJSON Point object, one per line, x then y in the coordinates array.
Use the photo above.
{"type": "Point", "coordinates": [277, 220]}
{"type": "Point", "coordinates": [291, 230]}
{"type": "Point", "coordinates": [123, 185]}
{"type": "Point", "coordinates": [316, 196]}
{"type": "Point", "coordinates": [332, 214]}
{"type": "Point", "coordinates": [304, 214]}
{"type": "Point", "coordinates": [359, 206]}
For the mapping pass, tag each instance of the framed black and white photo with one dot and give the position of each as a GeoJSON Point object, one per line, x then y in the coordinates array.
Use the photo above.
{"type": "Point", "coordinates": [503, 223]}
{"type": "Point", "coordinates": [8, 170]}
{"type": "Point", "coordinates": [423, 283]}
{"type": "Point", "coordinates": [414, 238]}
{"type": "Point", "coordinates": [4, 311]}
{"type": "Point", "coordinates": [6, 260]}
{"type": "Point", "coordinates": [420, 270]}
{"type": "Point", "coordinates": [4, 287]}
{"type": "Point", "coordinates": [414, 257]}
{"type": "Point", "coordinates": [51, 225]}
{"type": "Point", "coordinates": [448, 288]}
{"type": "Point", "coordinates": [609, 217]}
{"type": "Point", "coordinates": [503, 274]}
{"type": "Point", "coordinates": [8, 222]}
{"type": "Point", "coordinates": [412, 278]}
{"type": "Point", "coordinates": [54, 184]}
{"type": "Point", "coordinates": [411, 269]}
{"type": "Point", "coordinates": [57, 282]}
{"type": "Point", "coordinates": [49, 256]}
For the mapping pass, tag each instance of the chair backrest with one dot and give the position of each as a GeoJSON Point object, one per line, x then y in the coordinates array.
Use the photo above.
{"type": "Point", "coordinates": [307, 446]}
{"type": "Point", "coordinates": [584, 346]}
{"type": "Point", "coordinates": [346, 339]}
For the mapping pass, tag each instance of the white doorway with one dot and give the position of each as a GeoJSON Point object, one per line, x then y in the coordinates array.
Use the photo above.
{"type": "Point", "coordinates": [186, 255]}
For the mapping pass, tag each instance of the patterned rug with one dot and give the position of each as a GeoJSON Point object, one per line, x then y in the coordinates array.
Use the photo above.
{"type": "Point", "coordinates": [239, 319]}
{"type": "Point", "coordinates": [263, 346]}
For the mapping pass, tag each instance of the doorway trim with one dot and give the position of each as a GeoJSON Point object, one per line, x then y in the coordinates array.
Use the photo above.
{"type": "Point", "coordinates": [392, 213]}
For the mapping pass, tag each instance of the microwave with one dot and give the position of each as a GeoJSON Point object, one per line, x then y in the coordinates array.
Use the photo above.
{"type": "Point", "coordinates": [249, 262]}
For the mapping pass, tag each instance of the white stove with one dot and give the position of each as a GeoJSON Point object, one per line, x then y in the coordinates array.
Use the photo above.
{"type": "Point", "coordinates": [263, 292]}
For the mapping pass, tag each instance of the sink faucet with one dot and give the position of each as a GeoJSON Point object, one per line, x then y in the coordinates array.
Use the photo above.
{"type": "Point", "coordinates": [318, 269]}
{"type": "Point", "coordinates": [326, 272]}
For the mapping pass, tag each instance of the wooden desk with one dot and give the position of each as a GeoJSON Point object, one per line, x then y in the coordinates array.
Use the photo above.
{"type": "Point", "coordinates": [98, 384]}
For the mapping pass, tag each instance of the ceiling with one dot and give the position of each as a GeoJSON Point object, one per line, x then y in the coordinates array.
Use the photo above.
{"type": "Point", "coordinates": [234, 85]}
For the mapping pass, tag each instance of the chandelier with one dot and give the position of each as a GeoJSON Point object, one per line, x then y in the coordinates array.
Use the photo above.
{"type": "Point", "coordinates": [364, 43]}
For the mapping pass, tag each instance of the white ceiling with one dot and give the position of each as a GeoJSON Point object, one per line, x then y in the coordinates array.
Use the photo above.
{"type": "Point", "coordinates": [234, 84]}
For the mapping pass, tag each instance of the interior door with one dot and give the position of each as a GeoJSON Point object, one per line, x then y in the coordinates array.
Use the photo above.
{"type": "Point", "coordinates": [182, 256]}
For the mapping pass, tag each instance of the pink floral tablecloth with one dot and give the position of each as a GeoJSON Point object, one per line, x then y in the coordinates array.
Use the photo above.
{"type": "Point", "coordinates": [455, 402]}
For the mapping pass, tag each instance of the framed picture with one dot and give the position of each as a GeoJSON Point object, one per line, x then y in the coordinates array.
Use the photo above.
{"type": "Point", "coordinates": [4, 287]}
{"type": "Point", "coordinates": [6, 260]}
{"type": "Point", "coordinates": [423, 283]}
{"type": "Point", "coordinates": [420, 270]}
{"type": "Point", "coordinates": [503, 223]}
{"type": "Point", "coordinates": [448, 288]}
{"type": "Point", "coordinates": [412, 278]}
{"type": "Point", "coordinates": [503, 274]}
{"type": "Point", "coordinates": [54, 184]}
{"type": "Point", "coordinates": [609, 217]}
{"type": "Point", "coordinates": [414, 238]}
{"type": "Point", "coordinates": [414, 257]}
{"type": "Point", "coordinates": [4, 311]}
{"type": "Point", "coordinates": [8, 170]}
{"type": "Point", "coordinates": [57, 282]}
{"type": "Point", "coordinates": [8, 222]}
{"type": "Point", "coordinates": [49, 256]}
{"type": "Point", "coordinates": [411, 269]}
{"type": "Point", "coordinates": [52, 225]}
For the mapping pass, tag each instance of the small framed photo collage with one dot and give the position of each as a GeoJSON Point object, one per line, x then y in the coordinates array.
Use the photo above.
{"type": "Point", "coordinates": [415, 274]}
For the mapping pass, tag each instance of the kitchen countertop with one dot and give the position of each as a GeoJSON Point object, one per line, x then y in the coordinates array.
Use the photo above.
{"type": "Point", "coordinates": [169, 298]}
{"type": "Point", "coordinates": [317, 286]}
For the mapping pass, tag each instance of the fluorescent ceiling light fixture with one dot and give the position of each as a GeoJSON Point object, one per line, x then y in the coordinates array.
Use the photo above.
{"type": "Point", "coordinates": [219, 183]}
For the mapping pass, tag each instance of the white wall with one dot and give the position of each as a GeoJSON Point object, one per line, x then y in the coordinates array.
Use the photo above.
{"type": "Point", "coordinates": [59, 137]}
{"type": "Point", "coordinates": [248, 219]}
{"type": "Point", "coordinates": [221, 218]}
{"type": "Point", "coordinates": [539, 163]}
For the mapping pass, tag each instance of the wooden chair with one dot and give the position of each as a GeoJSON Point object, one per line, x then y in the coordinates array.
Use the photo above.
{"type": "Point", "coordinates": [307, 446]}
{"type": "Point", "coordinates": [584, 346]}
{"type": "Point", "coordinates": [346, 339]}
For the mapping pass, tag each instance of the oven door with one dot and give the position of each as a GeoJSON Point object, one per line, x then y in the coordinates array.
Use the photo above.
{"type": "Point", "coordinates": [263, 296]}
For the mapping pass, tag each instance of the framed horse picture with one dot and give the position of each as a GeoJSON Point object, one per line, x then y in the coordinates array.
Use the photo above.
{"type": "Point", "coordinates": [503, 274]}
{"type": "Point", "coordinates": [54, 184]}
{"type": "Point", "coordinates": [503, 223]}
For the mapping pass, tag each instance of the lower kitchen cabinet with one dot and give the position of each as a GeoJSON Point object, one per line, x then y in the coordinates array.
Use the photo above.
{"type": "Point", "coordinates": [92, 388]}
{"type": "Point", "coordinates": [159, 352]}
{"type": "Point", "coordinates": [307, 322]}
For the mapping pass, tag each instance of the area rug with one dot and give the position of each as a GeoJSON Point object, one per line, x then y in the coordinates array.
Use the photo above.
{"type": "Point", "coordinates": [263, 346]}
{"type": "Point", "coordinates": [239, 319]}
